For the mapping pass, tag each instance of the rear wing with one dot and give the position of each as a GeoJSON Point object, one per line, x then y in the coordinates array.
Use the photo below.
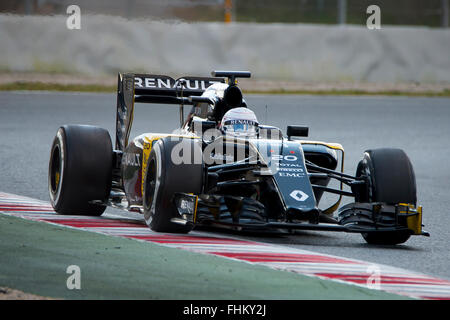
{"type": "Point", "coordinates": [148, 88]}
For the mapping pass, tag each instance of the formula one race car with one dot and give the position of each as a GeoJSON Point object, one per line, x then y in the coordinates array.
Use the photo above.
{"type": "Point", "coordinates": [222, 168]}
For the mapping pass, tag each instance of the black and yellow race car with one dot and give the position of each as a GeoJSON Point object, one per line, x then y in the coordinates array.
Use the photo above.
{"type": "Point", "coordinates": [199, 175]}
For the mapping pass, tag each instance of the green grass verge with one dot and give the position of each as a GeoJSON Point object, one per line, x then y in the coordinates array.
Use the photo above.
{"type": "Point", "coordinates": [35, 256]}
{"type": "Point", "coordinates": [40, 86]}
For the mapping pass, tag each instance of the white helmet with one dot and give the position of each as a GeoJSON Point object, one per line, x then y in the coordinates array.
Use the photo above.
{"type": "Point", "coordinates": [239, 122]}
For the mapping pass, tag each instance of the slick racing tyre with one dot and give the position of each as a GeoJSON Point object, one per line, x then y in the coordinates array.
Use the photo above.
{"type": "Point", "coordinates": [391, 180]}
{"type": "Point", "coordinates": [166, 176]}
{"type": "Point", "coordinates": [80, 170]}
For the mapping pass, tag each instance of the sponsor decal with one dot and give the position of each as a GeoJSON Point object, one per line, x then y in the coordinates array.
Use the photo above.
{"type": "Point", "coordinates": [131, 159]}
{"type": "Point", "coordinates": [299, 195]}
{"type": "Point", "coordinates": [240, 121]}
{"type": "Point", "coordinates": [291, 169]}
{"type": "Point", "coordinates": [284, 164]}
{"type": "Point", "coordinates": [279, 157]}
{"type": "Point", "coordinates": [290, 174]}
{"type": "Point", "coordinates": [167, 83]}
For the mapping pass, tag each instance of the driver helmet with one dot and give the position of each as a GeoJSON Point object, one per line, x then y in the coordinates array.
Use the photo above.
{"type": "Point", "coordinates": [239, 122]}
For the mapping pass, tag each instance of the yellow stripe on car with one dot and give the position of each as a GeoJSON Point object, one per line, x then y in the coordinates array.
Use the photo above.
{"type": "Point", "coordinates": [414, 218]}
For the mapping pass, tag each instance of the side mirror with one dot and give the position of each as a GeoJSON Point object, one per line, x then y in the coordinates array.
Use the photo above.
{"type": "Point", "coordinates": [297, 131]}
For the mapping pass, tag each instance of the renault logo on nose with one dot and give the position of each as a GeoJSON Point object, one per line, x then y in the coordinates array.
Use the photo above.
{"type": "Point", "coordinates": [299, 195]}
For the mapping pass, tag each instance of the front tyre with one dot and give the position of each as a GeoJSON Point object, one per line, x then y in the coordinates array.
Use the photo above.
{"type": "Point", "coordinates": [391, 180]}
{"type": "Point", "coordinates": [165, 177]}
{"type": "Point", "coordinates": [80, 169]}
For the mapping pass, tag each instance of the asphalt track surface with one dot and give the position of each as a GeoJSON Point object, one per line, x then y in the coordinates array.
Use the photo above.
{"type": "Point", "coordinates": [420, 126]}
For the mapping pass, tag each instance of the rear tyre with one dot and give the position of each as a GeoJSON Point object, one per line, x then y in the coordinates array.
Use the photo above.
{"type": "Point", "coordinates": [164, 178]}
{"type": "Point", "coordinates": [391, 180]}
{"type": "Point", "coordinates": [80, 170]}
